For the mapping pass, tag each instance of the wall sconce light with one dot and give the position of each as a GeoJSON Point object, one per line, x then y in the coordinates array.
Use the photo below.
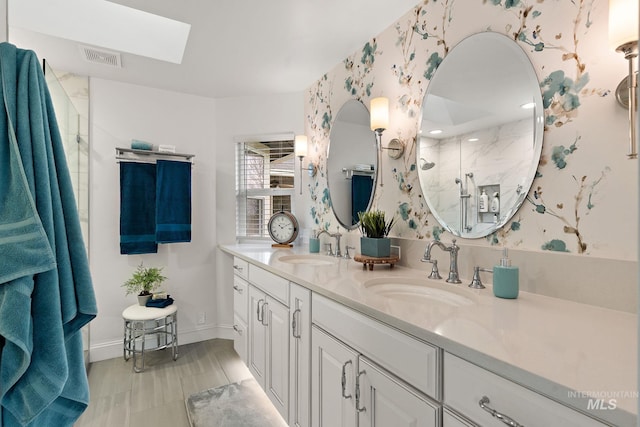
{"type": "Point", "coordinates": [623, 36]}
{"type": "Point", "coordinates": [379, 111]}
{"type": "Point", "coordinates": [300, 149]}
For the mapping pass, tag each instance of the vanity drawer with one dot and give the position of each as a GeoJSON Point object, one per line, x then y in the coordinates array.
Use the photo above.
{"type": "Point", "coordinates": [275, 286]}
{"type": "Point", "coordinates": [240, 267]}
{"type": "Point", "coordinates": [465, 384]}
{"type": "Point", "coordinates": [240, 297]}
{"type": "Point", "coordinates": [414, 361]}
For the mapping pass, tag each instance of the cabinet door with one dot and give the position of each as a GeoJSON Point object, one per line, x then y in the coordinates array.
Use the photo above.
{"type": "Point", "coordinates": [240, 338]}
{"type": "Point", "coordinates": [240, 300]}
{"type": "Point", "coordinates": [277, 376]}
{"type": "Point", "coordinates": [383, 400]}
{"type": "Point", "coordinates": [299, 356]}
{"type": "Point", "coordinates": [257, 360]}
{"type": "Point", "coordinates": [333, 368]}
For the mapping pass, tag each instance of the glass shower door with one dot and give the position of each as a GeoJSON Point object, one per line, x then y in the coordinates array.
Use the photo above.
{"type": "Point", "coordinates": [74, 130]}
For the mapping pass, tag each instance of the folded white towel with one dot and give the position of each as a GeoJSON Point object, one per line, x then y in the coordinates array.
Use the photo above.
{"type": "Point", "coordinates": [167, 148]}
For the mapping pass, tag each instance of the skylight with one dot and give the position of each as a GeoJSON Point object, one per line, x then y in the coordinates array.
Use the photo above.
{"type": "Point", "coordinates": [105, 24]}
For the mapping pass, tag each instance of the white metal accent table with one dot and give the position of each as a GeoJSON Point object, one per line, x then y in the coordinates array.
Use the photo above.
{"type": "Point", "coordinates": [141, 323]}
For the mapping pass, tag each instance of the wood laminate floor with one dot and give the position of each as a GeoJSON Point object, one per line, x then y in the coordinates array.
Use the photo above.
{"type": "Point", "coordinates": [156, 397]}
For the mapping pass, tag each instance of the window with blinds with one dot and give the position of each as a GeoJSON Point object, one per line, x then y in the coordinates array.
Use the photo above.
{"type": "Point", "coordinates": [264, 184]}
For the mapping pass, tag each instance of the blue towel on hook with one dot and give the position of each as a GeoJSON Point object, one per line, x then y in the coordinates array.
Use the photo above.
{"type": "Point", "coordinates": [173, 201]}
{"type": "Point", "coordinates": [137, 208]}
{"type": "Point", "coordinates": [43, 381]}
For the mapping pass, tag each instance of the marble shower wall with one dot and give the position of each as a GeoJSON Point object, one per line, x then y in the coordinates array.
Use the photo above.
{"type": "Point", "coordinates": [584, 198]}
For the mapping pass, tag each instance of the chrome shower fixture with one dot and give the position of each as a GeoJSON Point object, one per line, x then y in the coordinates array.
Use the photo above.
{"type": "Point", "coordinates": [425, 165]}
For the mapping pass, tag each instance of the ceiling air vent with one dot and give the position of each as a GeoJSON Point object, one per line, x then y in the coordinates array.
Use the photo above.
{"type": "Point", "coordinates": [101, 56]}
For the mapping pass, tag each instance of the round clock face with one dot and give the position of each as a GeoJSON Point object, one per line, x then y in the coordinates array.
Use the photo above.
{"type": "Point", "coordinates": [283, 227]}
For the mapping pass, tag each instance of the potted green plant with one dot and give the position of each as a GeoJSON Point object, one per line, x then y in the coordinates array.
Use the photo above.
{"type": "Point", "coordinates": [143, 281]}
{"type": "Point", "coordinates": [374, 241]}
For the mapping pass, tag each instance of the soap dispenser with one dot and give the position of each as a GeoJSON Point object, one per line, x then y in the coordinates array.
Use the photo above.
{"type": "Point", "coordinates": [495, 202]}
{"type": "Point", "coordinates": [505, 278]}
{"type": "Point", "coordinates": [483, 202]}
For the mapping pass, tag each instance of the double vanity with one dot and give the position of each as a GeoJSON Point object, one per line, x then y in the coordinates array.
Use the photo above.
{"type": "Point", "coordinates": [335, 345]}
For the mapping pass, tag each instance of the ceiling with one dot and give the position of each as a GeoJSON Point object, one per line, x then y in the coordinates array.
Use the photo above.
{"type": "Point", "coordinates": [235, 47]}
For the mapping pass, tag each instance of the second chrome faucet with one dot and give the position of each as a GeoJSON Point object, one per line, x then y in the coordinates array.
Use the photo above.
{"type": "Point", "coordinates": [453, 264]}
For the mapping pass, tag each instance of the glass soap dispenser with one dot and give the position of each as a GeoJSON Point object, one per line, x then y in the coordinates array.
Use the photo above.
{"type": "Point", "coordinates": [505, 278]}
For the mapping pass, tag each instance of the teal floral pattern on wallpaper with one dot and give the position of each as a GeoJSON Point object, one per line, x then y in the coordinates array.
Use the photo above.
{"type": "Point", "coordinates": [566, 43]}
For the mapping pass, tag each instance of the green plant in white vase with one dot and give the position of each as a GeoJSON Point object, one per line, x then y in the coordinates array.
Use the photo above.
{"type": "Point", "coordinates": [375, 229]}
{"type": "Point", "coordinates": [143, 281]}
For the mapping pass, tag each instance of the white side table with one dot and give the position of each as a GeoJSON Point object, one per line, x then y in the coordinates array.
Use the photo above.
{"type": "Point", "coordinates": [140, 323]}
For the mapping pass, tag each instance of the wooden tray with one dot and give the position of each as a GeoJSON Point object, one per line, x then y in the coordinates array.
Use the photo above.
{"type": "Point", "coordinates": [370, 261]}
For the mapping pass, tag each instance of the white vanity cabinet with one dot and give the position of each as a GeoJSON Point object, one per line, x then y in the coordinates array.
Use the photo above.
{"type": "Point", "coordinates": [299, 356]}
{"type": "Point", "coordinates": [268, 336]}
{"type": "Point", "coordinates": [476, 393]}
{"type": "Point", "coordinates": [365, 373]}
{"type": "Point", "coordinates": [240, 307]}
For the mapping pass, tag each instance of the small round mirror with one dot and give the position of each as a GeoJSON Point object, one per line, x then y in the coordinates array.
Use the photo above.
{"type": "Point", "coordinates": [480, 137]}
{"type": "Point", "coordinates": [351, 163]}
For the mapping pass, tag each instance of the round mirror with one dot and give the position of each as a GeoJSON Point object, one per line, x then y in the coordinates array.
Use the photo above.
{"type": "Point", "coordinates": [351, 163]}
{"type": "Point", "coordinates": [480, 137]}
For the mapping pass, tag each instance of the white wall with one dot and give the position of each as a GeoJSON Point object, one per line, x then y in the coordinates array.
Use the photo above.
{"type": "Point", "coordinates": [237, 117]}
{"type": "Point", "coordinates": [198, 273]}
{"type": "Point", "coordinates": [120, 112]}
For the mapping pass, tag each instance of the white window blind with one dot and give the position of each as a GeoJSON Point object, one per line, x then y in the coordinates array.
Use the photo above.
{"type": "Point", "coordinates": [264, 184]}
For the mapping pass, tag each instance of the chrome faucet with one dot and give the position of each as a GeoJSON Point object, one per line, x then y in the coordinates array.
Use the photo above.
{"type": "Point", "coordinates": [453, 265]}
{"type": "Point", "coordinates": [337, 236]}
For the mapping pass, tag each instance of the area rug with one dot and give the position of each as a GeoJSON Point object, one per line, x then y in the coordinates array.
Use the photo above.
{"type": "Point", "coordinates": [238, 404]}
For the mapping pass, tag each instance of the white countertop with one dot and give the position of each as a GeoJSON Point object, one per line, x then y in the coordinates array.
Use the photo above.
{"type": "Point", "coordinates": [553, 346]}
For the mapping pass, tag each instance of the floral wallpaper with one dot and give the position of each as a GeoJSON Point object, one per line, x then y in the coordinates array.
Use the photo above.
{"type": "Point", "coordinates": [584, 198]}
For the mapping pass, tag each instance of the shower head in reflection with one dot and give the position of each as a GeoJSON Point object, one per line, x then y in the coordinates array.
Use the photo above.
{"type": "Point", "coordinates": [425, 166]}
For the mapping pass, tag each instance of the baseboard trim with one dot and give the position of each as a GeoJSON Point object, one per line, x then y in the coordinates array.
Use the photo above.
{"type": "Point", "coordinates": [112, 349]}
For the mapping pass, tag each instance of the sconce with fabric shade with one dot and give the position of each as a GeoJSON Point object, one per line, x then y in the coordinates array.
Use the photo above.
{"type": "Point", "coordinates": [623, 36]}
{"type": "Point", "coordinates": [300, 149]}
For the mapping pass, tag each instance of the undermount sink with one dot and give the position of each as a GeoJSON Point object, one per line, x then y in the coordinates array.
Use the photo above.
{"type": "Point", "coordinates": [414, 290]}
{"type": "Point", "coordinates": [308, 259]}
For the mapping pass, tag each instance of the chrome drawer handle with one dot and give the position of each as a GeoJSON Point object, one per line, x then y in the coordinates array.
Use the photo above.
{"type": "Point", "coordinates": [344, 379]}
{"type": "Point", "coordinates": [259, 310]}
{"type": "Point", "coordinates": [237, 268]}
{"type": "Point", "coordinates": [265, 321]}
{"type": "Point", "coordinates": [505, 419]}
{"type": "Point", "coordinates": [358, 408]}
{"type": "Point", "coordinates": [237, 288]}
{"type": "Point", "coordinates": [295, 324]}
{"type": "Point", "coordinates": [237, 329]}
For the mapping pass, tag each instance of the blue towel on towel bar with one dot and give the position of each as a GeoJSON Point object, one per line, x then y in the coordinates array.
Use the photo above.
{"type": "Point", "coordinates": [43, 381]}
{"type": "Point", "coordinates": [173, 201]}
{"type": "Point", "coordinates": [361, 189]}
{"type": "Point", "coordinates": [137, 208]}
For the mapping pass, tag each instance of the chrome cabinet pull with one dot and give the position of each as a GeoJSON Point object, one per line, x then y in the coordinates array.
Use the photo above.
{"type": "Point", "coordinates": [344, 379]}
{"type": "Point", "coordinates": [237, 288]}
{"type": "Point", "coordinates": [259, 310]}
{"type": "Point", "coordinates": [237, 268]}
{"type": "Point", "coordinates": [505, 419]}
{"type": "Point", "coordinates": [358, 408]}
{"type": "Point", "coordinates": [237, 329]}
{"type": "Point", "coordinates": [264, 319]}
{"type": "Point", "coordinates": [295, 324]}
